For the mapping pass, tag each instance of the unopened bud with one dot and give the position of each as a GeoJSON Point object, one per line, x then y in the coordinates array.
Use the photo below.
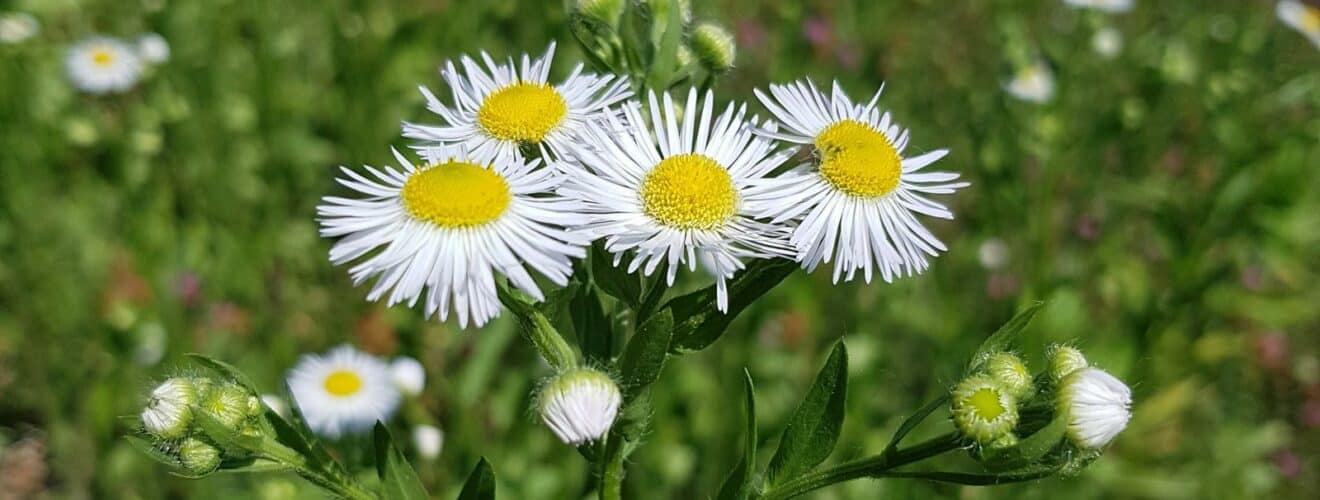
{"type": "Point", "coordinates": [983, 410]}
{"type": "Point", "coordinates": [409, 375]}
{"type": "Point", "coordinates": [169, 410]}
{"type": "Point", "coordinates": [580, 405]}
{"type": "Point", "coordinates": [1008, 369]}
{"type": "Point", "coordinates": [198, 457]}
{"type": "Point", "coordinates": [227, 404]}
{"type": "Point", "coordinates": [1064, 360]}
{"type": "Point", "coordinates": [428, 440]}
{"type": "Point", "coordinates": [1098, 407]}
{"type": "Point", "coordinates": [714, 47]}
{"type": "Point", "coordinates": [603, 11]}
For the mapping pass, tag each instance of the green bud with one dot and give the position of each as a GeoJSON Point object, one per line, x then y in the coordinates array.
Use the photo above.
{"type": "Point", "coordinates": [984, 410]}
{"type": "Point", "coordinates": [198, 457]}
{"type": "Point", "coordinates": [169, 410]}
{"type": "Point", "coordinates": [603, 11]}
{"type": "Point", "coordinates": [1011, 373]}
{"type": "Point", "coordinates": [714, 47]}
{"type": "Point", "coordinates": [1064, 360]}
{"type": "Point", "coordinates": [228, 404]}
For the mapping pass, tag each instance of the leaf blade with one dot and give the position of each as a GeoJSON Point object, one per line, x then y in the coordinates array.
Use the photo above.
{"type": "Point", "coordinates": [813, 430]}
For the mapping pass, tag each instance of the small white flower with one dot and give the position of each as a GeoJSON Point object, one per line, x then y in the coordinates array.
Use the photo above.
{"type": "Point", "coordinates": [1098, 407]}
{"type": "Point", "coordinates": [856, 201]}
{"type": "Point", "coordinates": [993, 254]}
{"type": "Point", "coordinates": [674, 190]}
{"type": "Point", "coordinates": [409, 375]}
{"type": "Point", "coordinates": [101, 65]}
{"type": "Point", "coordinates": [344, 391]}
{"type": "Point", "coordinates": [1107, 42]}
{"type": "Point", "coordinates": [428, 440]}
{"type": "Point", "coordinates": [504, 106]}
{"type": "Point", "coordinates": [580, 405]}
{"type": "Point", "coordinates": [1114, 6]}
{"type": "Point", "coordinates": [1301, 17]}
{"type": "Point", "coordinates": [449, 228]}
{"type": "Point", "coordinates": [1033, 82]}
{"type": "Point", "coordinates": [169, 409]}
{"type": "Point", "coordinates": [276, 404]}
{"type": "Point", "coordinates": [18, 27]}
{"type": "Point", "coordinates": [153, 48]}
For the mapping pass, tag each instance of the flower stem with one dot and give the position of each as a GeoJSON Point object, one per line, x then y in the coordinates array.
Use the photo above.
{"type": "Point", "coordinates": [871, 466]}
{"type": "Point", "coordinates": [321, 476]}
{"type": "Point", "coordinates": [611, 469]}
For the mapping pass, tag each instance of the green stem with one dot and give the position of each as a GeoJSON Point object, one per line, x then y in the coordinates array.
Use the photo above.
{"type": "Point", "coordinates": [337, 483]}
{"type": "Point", "coordinates": [611, 470]}
{"type": "Point", "coordinates": [871, 466]}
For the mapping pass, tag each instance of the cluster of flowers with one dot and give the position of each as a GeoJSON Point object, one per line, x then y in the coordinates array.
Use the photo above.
{"type": "Point", "coordinates": [524, 173]}
{"type": "Point", "coordinates": [180, 410]}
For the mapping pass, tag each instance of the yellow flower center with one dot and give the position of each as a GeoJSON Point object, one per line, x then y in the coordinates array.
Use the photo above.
{"type": "Point", "coordinates": [456, 195]}
{"type": "Point", "coordinates": [858, 159]}
{"type": "Point", "coordinates": [1310, 19]}
{"type": "Point", "coordinates": [102, 57]}
{"type": "Point", "coordinates": [523, 112]}
{"type": "Point", "coordinates": [689, 191]}
{"type": "Point", "coordinates": [343, 383]}
{"type": "Point", "coordinates": [985, 402]}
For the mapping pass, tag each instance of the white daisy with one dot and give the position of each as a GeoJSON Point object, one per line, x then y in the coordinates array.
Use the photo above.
{"type": "Point", "coordinates": [677, 195]}
{"type": "Point", "coordinates": [1301, 17]}
{"type": "Point", "coordinates": [450, 227]}
{"type": "Point", "coordinates": [1114, 6]}
{"type": "Point", "coordinates": [858, 196]}
{"type": "Point", "coordinates": [344, 391]}
{"type": "Point", "coordinates": [504, 106]}
{"type": "Point", "coordinates": [1033, 82]}
{"type": "Point", "coordinates": [100, 65]}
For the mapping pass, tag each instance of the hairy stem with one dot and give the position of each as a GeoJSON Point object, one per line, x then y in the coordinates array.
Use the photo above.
{"type": "Point", "coordinates": [872, 466]}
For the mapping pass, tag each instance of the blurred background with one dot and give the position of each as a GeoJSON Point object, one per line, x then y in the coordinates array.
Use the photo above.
{"type": "Point", "coordinates": [1162, 199]}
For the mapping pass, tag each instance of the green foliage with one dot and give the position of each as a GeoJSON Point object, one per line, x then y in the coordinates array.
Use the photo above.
{"type": "Point", "coordinates": [814, 427]}
{"type": "Point", "coordinates": [480, 484]}
{"type": "Point", "coordinates": [397, 478]}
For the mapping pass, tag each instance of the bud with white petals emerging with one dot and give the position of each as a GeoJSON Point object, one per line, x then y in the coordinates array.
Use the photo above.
{"type": "Point", "coordinates": [579, 405]}
{"type": "Point", "coordinates": [984, 410]}
{"type": "Point", "coordinates": [428, 440]}
{"type": "Point", "coordinates": [169, 411]}
{"type": "Point", "coordinates": [1011, 373]}
{"type": "Point", "coordinates": [1064, 360]}
{"type": "Point", "coordinates": [409, 375]}
{"type": "Point", "coordinates": [714, 47]}
{"type": "Point", "coordinates": [198, 457]}
{"type": "Point", "coordinates": [1098, 407]}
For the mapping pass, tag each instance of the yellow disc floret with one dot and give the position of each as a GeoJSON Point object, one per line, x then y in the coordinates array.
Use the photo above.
{"type": "Point", "coordinates": [985, 403]}
{"type": "Point", "coordinates": [343, 383]}
{"type": "Point", "coordinates": [858, 159]}
{"type": "Point", "coordinates": [456, 195]}
{"type": "Point", "coordinates": [523, 112]}
{"type": "Point", "coordinates": [689, 191]}
{"type": "Point", "coordinates": [103, 57]}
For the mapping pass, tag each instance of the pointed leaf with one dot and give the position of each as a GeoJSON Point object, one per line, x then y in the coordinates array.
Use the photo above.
{"type": "Point", "coordinates": [1003, 339]}
{"type": "Point", "coordinates": [645, 354]}
{"type": "Point", "coordinates": [914, 420]}
{"type": "Point", "coordinates": [615, 280]}
{"type": "Point", "coordinates": [738, 485]}
{"type": "Point", "coordinates": [667, 52]}
{"type": "Point", "coordinates": [480, 483]}
{"type": "Point", "coordinates": [152, 451]}
{"type": "Point", "coordinates": [814, 428]}
{"type": "Point", "coordinates": [225, 369]}
{"type": "Point", "coordinates": [398, 480]}
{"type": "Point", "coordinates": [699, 321]}
{"type": "Point", "coordinates": [595, 334]}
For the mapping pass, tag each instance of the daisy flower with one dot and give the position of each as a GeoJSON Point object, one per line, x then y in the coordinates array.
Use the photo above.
{"type": "Point", "coordinates": [1033, 82]}
{"type": "Point", "coordinates": [101, 65]}
{"type": "Point", "coordinates": [673, 190]}
{"type": "Point", "coordinates": [857, 198]}
{"type": "Point", "coordinates": [504, 106]}
{"type": "Point", "coordinates": [1114, 6]}
{"type": "Point", "coordinates": [450, 227]}
{"type": "Point", "coordinates": [344, 391]}
{"type": "Point", "coordinates": [1301, 17]}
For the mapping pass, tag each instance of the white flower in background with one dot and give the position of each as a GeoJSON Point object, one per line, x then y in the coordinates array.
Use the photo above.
{"type": "Point", "coordinates": [428, 440]}
{"type": "Point", "coordinates": [409, 375]}
{"type": "Point", "coordinates": [984, 410]}
{"type": "Point", "coordinates": [1033, 82]}
{"type": "Point", "coordinates": [16, 27]}
{"type": "Point", "coordinates": [856, 201]}
{"type": "Point", "coordinates": [1114, 6]}
{"type": "Point", "coordinates": [504, 106]}
{"type": "Point", "coordinates": [100, 65]}
{"type": "Point", "coordinates": [992, 254]}
{"type": "Point", "coordinates": [1107, 42]}
{"type": "Point", "coordinates": [1098, 407]}
{"type": "Point", "coordinates": [580, 405]}
{"type": "Point", "coordinates": [450, 227]}
{"type": "Point", "coordinates": [169, 409]}
{"type": "Point", "coordinates": [344, 391]}
{"type": "Point", "coordinates": [153, 48]}
{"type": "Point", "coordinates": [678, 195]}
{"type": "Point", "coordinates": [276, 404]}
{"type": "Point", "coordinates": [1301, 17]}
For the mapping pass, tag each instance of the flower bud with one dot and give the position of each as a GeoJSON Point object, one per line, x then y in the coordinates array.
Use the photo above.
{"type": "Point", "coordinates": [1064, 360]}
{"type": "Point", "coordinates": [714, 47]}
{"type": "Point", "coordinates": [603, 11]}
{"type": "Point", "coordinates": [198, 457]}
{"type": "Point", "coordinates": [428, 440]}
{"type": "Point", "coordinates": [1008, 369]}
{"type": "Point", "coordinates": [409, 375]}
{"type": "Point", "coordinates": [228, 404]}
{"type": "Point", "coordinates": [169, 410]}
{"type": "Point", "coordinates": [1098, 407]}
{"type": "Point", "coordinates": [579, 405]}
{"type": "Point", "coordinates": [983, 410]}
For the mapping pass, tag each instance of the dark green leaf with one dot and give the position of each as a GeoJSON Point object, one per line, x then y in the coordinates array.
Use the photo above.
{"type": "Point", "coordinates": [1002, 340]}
{"type": "Point", "coordinates": [595, 334]}
{"type": "Point", "coordinates": [700, 323]}
{"type": "Point", "coordinates": [152, 451]}
{"type": "Point", "coordinates": [972, 479]}
{"type": "Point", "coordinates": [615, 280]}
{"type": "Point", "coordinates": [557, 300]}
{"type": "Point", "coordinates": [398, 481]}
{"type": "Point", "coordinates": [914, 420]}
{"type": "Point", "coordinates": [645, 354]}
{"type": "Point", "coordinates": [666, 55]}
{"type": "Point", "coordinates": [480, 483]}
{"type": "Point", "coordinates": [814, 428]}
{"type": "Point", "coordinates": [1030, 449]}
{"type": "Point", "coordinates": [298, 435]}
{"type": "Point", "coordinates": [738, 484]}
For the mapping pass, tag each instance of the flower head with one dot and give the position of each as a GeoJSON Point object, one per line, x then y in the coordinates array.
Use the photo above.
{"type": "Point", "coordinates": [1301, 17]}
{"type": "Point", "coordinates": [428, 440]}
{"type": "Point", "coordinates": [1112, 6]}
{"type": "Point", "coordinates": [101, 65]}
{"type": "Point", "coordinates": [169, 410]}
{"type": "Point", "coordinates": [983, 409]}
{"type": "Point", "coordinates": [409, 375]}
{"type": "Point", "coordinates": [580, 405]}
{"type": "Point", "coordinates": [856, 201]}
{"type": "Point", "coordinates": [451, 227]}
{"type": "Point", "coordinates": [229, 404]}
{"type": "Point", "coordinates": [1033, 82]}
{"type": "Point", "coordinates": [1064, 360]}
{"type": "Point", "coordinates": [674, 190]}
{"type": "Point", "coordinates": [153, 48]}
{"type": "Point", "coordinates": [343, 391]}
{"type": "Point", "coordinates": [1098, 407]}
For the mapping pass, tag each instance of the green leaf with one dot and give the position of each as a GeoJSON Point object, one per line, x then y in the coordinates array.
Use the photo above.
{"type": "Point", "coordinates": [228, 439]}
{"type": "Point", "coordinates": [480, 484]}
{"type": "Point", "coordinates": [538, 329]}
{"type": "Point", "coordinates": [699, 321]}
{"type": "Point", "coordinates": [913, 421]}
{"type": "Point", "coordinates": [398, 481]}
{"type": "Point", "coordinates": [298, 435]}
{"type": "Point", "coordinates": [738, 485]}
{"type": "Point", "coordinates": [973, 479]}
{"type": "Point", "coordinates": [1003, 339]}
{"type": "Point", "coordinates": [666, 54]}
{"type": "Point", "coordinates": [595, 334]}
{"type": "Point", "coordinates": [152, 451]}
{"type": "Point", "coordinates": [615, 280]}
{"type": "Point", "coordinates": [225, 369]}
{"type": "Point", "coordinates": [645, 354]}
{"type": "Point", "coordinates": [1030, 449]}
{"type": "Point", "coordinates": [557, 300]}
{"type": "Point", "coordinates": [814, 428]}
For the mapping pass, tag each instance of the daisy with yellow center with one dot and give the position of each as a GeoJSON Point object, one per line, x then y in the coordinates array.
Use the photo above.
{"type": "Point", "coordinates": [1301, 17]}
{"type": "Point", "coordinates": [344, 391]}
{"type": "Point", "coordinates": [102, 65]}
{"type": "Point", "coordinates": [673, 190]}
{"type": "Point", "coordinates": [501, 107]}
{"type": "Point", "coordinates": [855, 202]}
{"type": "Point", "coordinates": [450, 228]}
